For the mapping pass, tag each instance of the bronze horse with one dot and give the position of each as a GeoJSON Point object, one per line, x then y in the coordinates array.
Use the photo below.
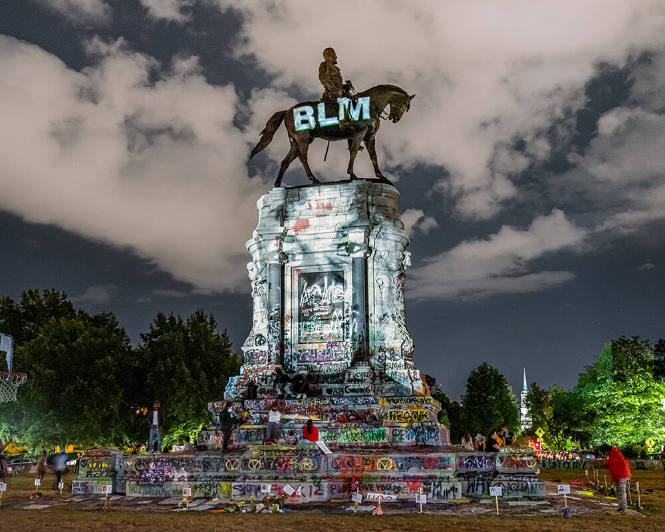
{"type": "Point", "coordinates": [354, 132]}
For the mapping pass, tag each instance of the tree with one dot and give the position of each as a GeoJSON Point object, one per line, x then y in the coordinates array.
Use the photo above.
{"type": "Point", "coordinates": [184, 365]}
{"type": "Point", "coordinates": [23, 320]}
{"type": "Point", "coordinates": [622, 393]}
{"type": "Point", "coordinates": [560, 413]}
{"type": "Point", "coordinates": [77, 367]}
{"type": "Point", "coordinates": [659, 360]}
{"type": "Point", "coordinates": [488, 402]}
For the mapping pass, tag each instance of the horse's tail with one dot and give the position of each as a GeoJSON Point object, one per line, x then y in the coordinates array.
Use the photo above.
{"type": "Point", "coordinates": [268, 132]}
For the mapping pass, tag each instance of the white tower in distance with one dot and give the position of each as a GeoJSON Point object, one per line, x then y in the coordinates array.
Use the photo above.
{"type": "Point", "coordinates": [525, 419]}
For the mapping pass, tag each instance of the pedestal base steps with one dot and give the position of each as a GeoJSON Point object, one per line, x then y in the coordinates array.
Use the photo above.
{"type": "Point", "coordinates": [361, 420]}
{"type": "Point", "coordinates": [314, 476]}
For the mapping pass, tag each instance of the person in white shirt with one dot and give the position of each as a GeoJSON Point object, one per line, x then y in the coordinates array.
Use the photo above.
{"type": "Point", "coordinates": [467, 442]}
{"type": "Point", "coordinates": [274, 425]}
{"type": "Point", "coordinates": [155, 428]}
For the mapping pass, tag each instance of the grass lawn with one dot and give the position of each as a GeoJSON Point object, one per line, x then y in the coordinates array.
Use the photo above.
{"type": "Point", "coordinates": [652, 517]}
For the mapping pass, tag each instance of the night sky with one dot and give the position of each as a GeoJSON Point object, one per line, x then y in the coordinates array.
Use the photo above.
{"type": "Point", "coordinates": [531, 165]}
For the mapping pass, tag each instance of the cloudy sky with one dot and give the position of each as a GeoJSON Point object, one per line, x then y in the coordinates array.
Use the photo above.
{"type": "Point", "coordinates": [531, 165]}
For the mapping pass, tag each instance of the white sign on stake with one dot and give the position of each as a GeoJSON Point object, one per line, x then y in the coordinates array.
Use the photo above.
{"type": "Point", "coordinates": [61, 485]}
{"type": "Point", "coordinates": [38, 482]}
{"type": "Point", "coordinates": [357, 497]}
{"type": "Point", "coordinates": [496, 491]}
{"type": "Point", "coordinates": [288, 489]}
{"type": "Point", "coordinates": [376, 497]}
{"type": "Point", "coordinates": [3, 486]}
{"type": "Point", "coordinates": [421, 498]}
{"type": "Point", "coordinates": [107, 488]}
{"type": "Point", "coordinates": [324, 448]}
{"type": "Point", "coordinates": [186, 492]}
{"type": "Point", "coordinates": [265, 488]}
{"type": "Point", "coordinates": [563, 489]}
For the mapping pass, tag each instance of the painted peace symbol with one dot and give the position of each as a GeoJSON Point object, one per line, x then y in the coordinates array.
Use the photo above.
{"type": "Point", "coordinates": [254, 464]}
{"type": "Point", "coordinates": [383, 464]}
{"type": "Point", "coordinates": [232, 464]}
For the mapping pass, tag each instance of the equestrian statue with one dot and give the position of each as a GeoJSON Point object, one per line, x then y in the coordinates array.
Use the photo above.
{"type": "Point", "coordinates": [341, 114]}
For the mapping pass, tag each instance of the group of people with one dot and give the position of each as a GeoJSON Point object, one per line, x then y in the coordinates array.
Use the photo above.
{"type": "Point", "coordinates": [494, 441]}
{"type": "Point", "coordinates": [227, 420]}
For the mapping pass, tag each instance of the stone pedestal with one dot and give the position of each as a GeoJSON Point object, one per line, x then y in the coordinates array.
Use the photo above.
{"type": "Point", "coordinates": [329, 339]}
{"type": "Point", "coordinates": [328, 272]}
{"type": "Point", "coordinates": [328, 342]}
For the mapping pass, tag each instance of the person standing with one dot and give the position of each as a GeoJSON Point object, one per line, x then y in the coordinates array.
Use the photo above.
{"type": "Point", "coordinates": [156, 423]}
{"type": "Point", "coordinates": [226, 421]}
{"type": "Point", "coordinates": [59, 464]}
{"type": "Point", "coordinates": [77, 467]}
{"type": "Point", "coordinates": [274, 425]}
{"type": "Point", "coordinates": [4, 470]}
{"type": "Point", "coordinates": [620, 471]}
{"type": "Point", "coordinates": [310, 432]}
{"type": "Point", "coordinates": [41, 466]}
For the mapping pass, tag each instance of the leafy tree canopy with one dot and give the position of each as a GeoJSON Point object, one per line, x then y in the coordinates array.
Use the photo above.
{"type": "Point", "coordinates": [623, 395]}
{"type": "Point", "coordinates": [86, 384]}
{"type": "Point", "coordinates": [488, 402]}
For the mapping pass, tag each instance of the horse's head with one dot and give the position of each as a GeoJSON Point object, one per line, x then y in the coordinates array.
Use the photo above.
{"type": "Point", "coordinates": [399, 105]}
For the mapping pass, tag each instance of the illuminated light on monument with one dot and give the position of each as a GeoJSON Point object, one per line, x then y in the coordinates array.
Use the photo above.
{"type": "Point", "coordinates": [304, 118]}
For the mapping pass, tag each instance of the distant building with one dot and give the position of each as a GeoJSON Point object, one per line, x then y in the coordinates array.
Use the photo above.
{"type": "Point", "coordinates": [525, 419]}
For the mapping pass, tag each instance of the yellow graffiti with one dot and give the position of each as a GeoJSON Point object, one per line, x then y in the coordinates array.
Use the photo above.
{"type": "Point", "coordinates": [232, 464]}
{"type": "Point", "coordinates": [384, 464]}
{"type": "Point", "coordinates": [255, 464]}
{"type": "Point", "coordinates": [307, 464]}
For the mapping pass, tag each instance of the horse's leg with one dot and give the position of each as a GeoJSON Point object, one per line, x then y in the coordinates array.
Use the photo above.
{"type": "Point", "coordinates": [303, 146]}
{"type": "Point", "coordinates": [293, 153]}
{"type": "Point", "coordinates": [350, 142]}
{"type": "Point", "coordinates": [371, 150]}
{"type": "Point", "coordinates": [357, 139]}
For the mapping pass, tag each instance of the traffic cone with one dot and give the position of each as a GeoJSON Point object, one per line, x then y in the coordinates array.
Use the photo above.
{"type": "Point", "coordinates": [378, 510]}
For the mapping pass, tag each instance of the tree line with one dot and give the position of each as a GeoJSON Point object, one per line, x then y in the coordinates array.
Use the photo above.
{"type": "Point", "coordinates": [619, 400]}
{"type": "Point", "coordinates": [89, 386]}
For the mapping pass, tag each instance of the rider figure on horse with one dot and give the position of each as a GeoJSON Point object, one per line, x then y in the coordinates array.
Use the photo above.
{"type": "Point", "coordinates": [331, 78]}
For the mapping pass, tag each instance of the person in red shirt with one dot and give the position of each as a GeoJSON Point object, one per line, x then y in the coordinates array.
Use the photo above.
{"type": "Point", "coordinates": [620, 471]}
{"type": "Point", "coordinates": [310, 432]}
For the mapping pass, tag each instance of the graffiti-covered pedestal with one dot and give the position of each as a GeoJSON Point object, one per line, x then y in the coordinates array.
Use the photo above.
{"type": "Point", "coordinates": [329, 338]}
{"type": "Point", "coordinates": [329, 343]}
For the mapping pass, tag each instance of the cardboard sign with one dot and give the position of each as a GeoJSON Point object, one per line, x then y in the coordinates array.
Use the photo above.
{"type": "Point", "coordinates": [288, 490]}
{"type": "Point", "coordinates": [186, 492]}
{"type": "Point", "coordinates": [3, 486]}
{"type": "Point", "coordinates": [421, 498]}
{"type": "Point", "coordinates": [357, 497]}
{"type": "Point", "coordinates": [324, 448]}
{"type": "Point", "coordinates": [107, 488]}
{"type": "Point", "coordinates": [376, 497]}
{"type": "Point", "coordinates": [265, 488]}
{"type": "Point", "coordinates": [38, 482]}
{"type": "Point", "coordinates": [563, 489]}
{"type": "Point", "coordinates": [496, 491]}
